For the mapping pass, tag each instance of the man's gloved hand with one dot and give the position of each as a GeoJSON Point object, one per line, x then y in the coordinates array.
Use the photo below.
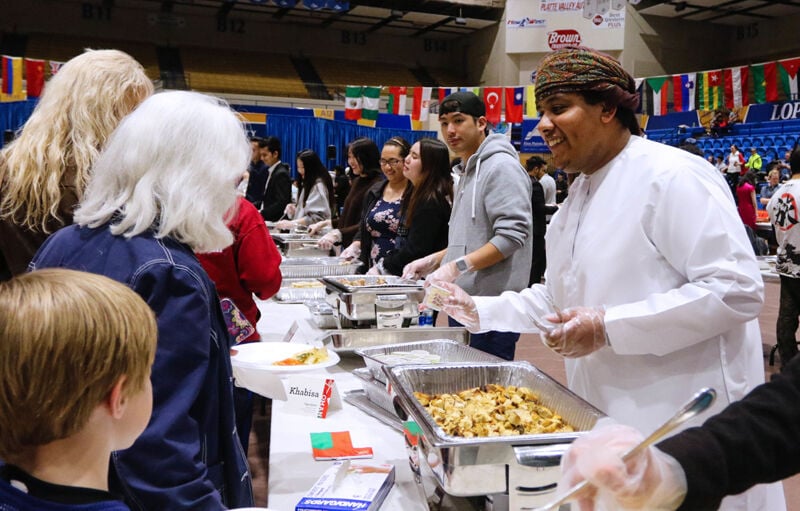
{"type": "Point", "coordinates": [459, 305]}
{"type": "Point", "coordinates": [420, 268]}
{"type": "Point", "coordinates": [318, 227]}
{"type": "Point", "coordinates": [652, 481]}
{"type": "Point", "coordinates": [351, 252]}
{"type": "Point", "coordinates": [290, 210]}
{"type": "Point", "coordinates": [326, 242]}
{"type": "Point", "coordinates": [284, 225]}
{"type": "Point", "coordinates": [578, 331]}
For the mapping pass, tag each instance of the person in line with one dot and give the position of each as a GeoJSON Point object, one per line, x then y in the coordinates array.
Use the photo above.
{"type": "Point", "coordinates": [250, 266]}
{"type": "Point", "coordinates": [143, 216]}
{"type": "Point", "coordinates": [256, 174]}
{"type": "Point", "coordinates": [425, 212]}
{"type": "Point", "coordinates": [536, 167]}
{"type": "Point", "coordinates": [734, 170]}
{"type": "Point", "coordinates": [277, 192]}
{"type": "Point", "coordinates": [44, 171]}
{"type": "Point", "coordinates": [363, 158]}
{"type": "Point", "coordinates": [784, 217]}
{"type": "Point", "coordinates": [773, 183]}
{"type": "Point", "coordinates": [381, 209]}
{"type": "Point", "coordinates": [489, 237]}
{"type": "Point", "coordinates": [647, 303]}
{"type": "Point", "coordinates": [754, 162]}
{"type": "Point", "coordinates": [752, 441]}
{"type": "Point", "coordinates": [315, 201]}
{"type": "Point", "coordinates": [73, 389]}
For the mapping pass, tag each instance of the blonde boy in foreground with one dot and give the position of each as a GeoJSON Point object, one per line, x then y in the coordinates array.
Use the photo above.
{"type": "Point", "coordinates": [75, 357]}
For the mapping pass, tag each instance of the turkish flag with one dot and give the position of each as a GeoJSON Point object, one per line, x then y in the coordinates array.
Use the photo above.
{"type": "Point", "coordinates": [492, 97]}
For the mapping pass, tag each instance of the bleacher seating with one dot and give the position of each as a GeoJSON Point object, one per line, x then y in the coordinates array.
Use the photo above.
{"type": "Point", "coordinates": [62, 48]}
{"type": "Point", "coordinates": [336, 74]}
{"type": "Point", "coordinates": [210, 70]}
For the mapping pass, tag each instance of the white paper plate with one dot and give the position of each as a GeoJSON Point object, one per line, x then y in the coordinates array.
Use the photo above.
{"type": "Point", "coordinates": [262, 356]}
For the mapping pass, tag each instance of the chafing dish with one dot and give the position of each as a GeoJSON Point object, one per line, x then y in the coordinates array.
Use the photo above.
{"type": "Point", "coordinates": [315, 267]}
{"type": "Point", "coordinates": [299, 245]}
{"type": "Point", "coordinates": [348, 340]}
{"type": "Point", "coordinates": [447, 350]}
{"type": "Point", "coordinates": [375, 390]}
{"type": "Point", "coordinates": [367, 300]}
{"type": "Point", "coordinates": [524, 466]}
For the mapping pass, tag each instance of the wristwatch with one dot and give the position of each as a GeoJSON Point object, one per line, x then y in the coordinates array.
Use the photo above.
{"type": "Point", "coordinates": [462, 265]}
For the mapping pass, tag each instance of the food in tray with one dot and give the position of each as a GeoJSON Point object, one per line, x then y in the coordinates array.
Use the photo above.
{"type": "Point", "coordinates": [361, 282]}
{"type": "Point", "coordinates": [308, 357]}
{"type": "Point", "coordinates": [408, 357]}
{"type": "Point", "coordinates": [492, 410]}
{"type": "Point", "coordinates": [303, 284]}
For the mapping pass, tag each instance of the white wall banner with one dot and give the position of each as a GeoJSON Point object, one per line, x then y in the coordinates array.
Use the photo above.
{"type": "Point", "coordinates": [597, 24]}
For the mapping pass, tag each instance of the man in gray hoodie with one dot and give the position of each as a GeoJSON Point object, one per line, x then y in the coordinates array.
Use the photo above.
{"type": "Point", "coordinates": [489, 240]}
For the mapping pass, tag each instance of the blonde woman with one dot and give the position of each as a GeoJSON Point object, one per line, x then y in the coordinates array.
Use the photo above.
{"type": "Point", "coordinates": [44, 171]}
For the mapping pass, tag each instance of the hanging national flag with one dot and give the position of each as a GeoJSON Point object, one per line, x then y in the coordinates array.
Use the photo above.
{"type": "Point", "coordinates": [370, 100]}
{"type": "Point", "coordinates": [34, 77]}
{"type": "Point", "coordinates": [12, 75]}
{"type": "Point", "coordinates": [422, 103]}
{"type": "Point", "coordinates": [709, 86]}
{"type": "Point", "coordinates": [514, 104]}
{"type": "Point", "coordinates": [788, 76]}
{"type": "Point", "coordinates": [352, 103]}
{"type": "Point", "coordinates": [683, 88]}
{"type": "Point", "coordinates": [444, 92]}
{"type": "Point", "coordinates": [735, 79]}
{"type": "Point", "coordinates": [765, 82]}
{"type": "Point", "coordinates": [658, 88]}
{"type": "Point", "coordinates": [54, 66]}
{"type": "Point", "coordinates": [493, 98]}
{"type": "Point", "coordinates": [397, 100]}
{"type": "Point", "coordinates": [638, 82]}
{"type": "Point", "coordinates": [530, 101]}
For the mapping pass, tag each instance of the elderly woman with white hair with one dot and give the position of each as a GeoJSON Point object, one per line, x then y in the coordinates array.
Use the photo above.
{"type": "Point", "coordinates": [44, 171]}
{"type": "Point", "coordinates": [158, 192]}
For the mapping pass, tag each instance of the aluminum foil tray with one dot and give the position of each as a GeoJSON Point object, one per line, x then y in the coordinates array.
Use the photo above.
{"type": "Point", "coordinates": [451, 378]}
{"type": "Point", "coordinates": [295, 237]}
{"type": "Point", "coordinates": [375, 390]}
{"type": "Point", "coordinates": [371, 283]}
{"type": "Point", "coordinates": [289, 294]}
{"type": "Point", "coordinates": [315, 267]}
{"type": "Point", "coordinates": [348, 340]}
{"type": "Point", "coordinates": [448, 350]}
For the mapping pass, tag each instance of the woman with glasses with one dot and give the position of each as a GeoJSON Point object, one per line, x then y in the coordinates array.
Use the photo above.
{"type": "Point", "coordinates": [363, 158]}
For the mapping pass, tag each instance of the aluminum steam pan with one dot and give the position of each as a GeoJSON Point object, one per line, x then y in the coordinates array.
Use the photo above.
{"type": "Point", "coordinates": [452, 378]}
{"type": "Point", "coordinates": [448, 351]}
{"type": "Point", "coordinates": [369, 283]}
{"type": "Point", "coordinates": [300, 290]}
{"type": "Point", "coordinates": [316, 267]}
{"type": "Point", "coordinates": [349, 339]}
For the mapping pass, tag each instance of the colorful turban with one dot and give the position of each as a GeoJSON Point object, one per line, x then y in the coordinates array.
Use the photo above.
{"type": "Point", "coordinates": [579, 70]}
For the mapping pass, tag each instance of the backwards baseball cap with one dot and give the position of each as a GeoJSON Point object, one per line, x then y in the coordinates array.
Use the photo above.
{"type": "Point", "coordinates": [464, 102]}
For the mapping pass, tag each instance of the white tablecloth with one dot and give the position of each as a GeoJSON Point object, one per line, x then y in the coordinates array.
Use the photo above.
{"type": "Point", "coordinates": [292, 469]}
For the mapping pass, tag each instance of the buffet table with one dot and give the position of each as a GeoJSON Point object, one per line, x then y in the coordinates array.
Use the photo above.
{"type": "Point", "coordinates": [292, 469]}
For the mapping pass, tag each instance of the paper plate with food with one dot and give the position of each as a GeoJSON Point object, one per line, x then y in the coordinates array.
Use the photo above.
{"type": "Point", "coordinates": [282, 357]}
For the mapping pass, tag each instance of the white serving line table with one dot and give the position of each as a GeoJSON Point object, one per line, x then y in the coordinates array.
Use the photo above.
{"type": "Point", "coordinates": [292, 469]}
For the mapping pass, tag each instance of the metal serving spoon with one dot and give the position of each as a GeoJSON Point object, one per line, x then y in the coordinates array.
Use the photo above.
{"type": "Point", "coordinates": [698, 404]}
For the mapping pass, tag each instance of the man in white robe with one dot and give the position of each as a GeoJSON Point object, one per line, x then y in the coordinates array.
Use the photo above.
{"type": "Point", "coordinates": [652, 288]}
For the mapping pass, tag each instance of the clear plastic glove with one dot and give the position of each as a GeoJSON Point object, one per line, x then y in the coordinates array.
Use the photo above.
{"type": "Point", "coordinates": [351, 252]}
{"type": "Point", "coordinates": [420, 268]}
{"type": "Point", "coordinates": [460, 306]}
{"type": "Point", "coordinates": [652, 481]}
{"type": "Point", "coordinates": [318, 227]}
{"type": "Point", "coordinates": [329, 240]}
{"type": "Point", "coordinates": [446, 273]}
{"type": "Point", "coordinates": [578, 331]}
{"type": "Point", "coordinates": [290, 210]}
{"type": "Point", "coordinates": [284, 225]}
{"type": "Point", "coordinates": [375, 270]}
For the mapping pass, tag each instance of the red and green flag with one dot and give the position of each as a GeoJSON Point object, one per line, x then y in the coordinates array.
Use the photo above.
{"type": "Point", "coordinates": [765, 82]}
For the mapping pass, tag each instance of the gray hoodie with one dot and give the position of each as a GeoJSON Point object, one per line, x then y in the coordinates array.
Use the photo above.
{"type": "Point", "coordinates": [492, 204]}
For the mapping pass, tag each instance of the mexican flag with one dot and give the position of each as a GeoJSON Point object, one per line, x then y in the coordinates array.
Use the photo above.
{"type": "Point", "coordinates": [658, 89]}
{"type": "Point", "coordinates": [370, 99]}
{"type": "Point", "coordinates": [352, 103]}
{"type": "Point", "coordinates": [709, 96]}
